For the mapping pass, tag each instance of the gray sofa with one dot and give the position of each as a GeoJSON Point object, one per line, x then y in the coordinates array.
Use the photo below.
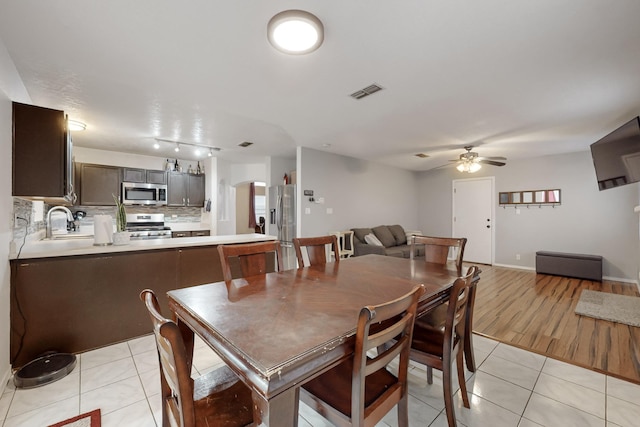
{"type": "Point", "coordinates": [394, 239]}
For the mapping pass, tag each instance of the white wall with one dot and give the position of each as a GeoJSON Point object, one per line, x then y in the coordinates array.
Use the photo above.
{"type": "Point", "coordinates": [6, 233]}
{"type": "Point", "coordinates": [115, 158]}
{"type": "Point", "coordinates": [588, 221]}
{"type": "Point", "coordinates": [11, 89]}
{"type": "Point", "coordinates": [360, 193]}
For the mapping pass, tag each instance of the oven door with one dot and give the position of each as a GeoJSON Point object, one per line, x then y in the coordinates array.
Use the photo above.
{"type": "Point", "coordinates": [135, 193]}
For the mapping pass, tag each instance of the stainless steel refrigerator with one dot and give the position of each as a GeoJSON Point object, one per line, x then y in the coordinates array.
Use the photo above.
{"type": "Point", "coordinates": [282, 220]}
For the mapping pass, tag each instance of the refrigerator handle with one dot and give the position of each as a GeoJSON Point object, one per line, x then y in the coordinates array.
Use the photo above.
{"type": "Point", "coordinates": [279, 212]}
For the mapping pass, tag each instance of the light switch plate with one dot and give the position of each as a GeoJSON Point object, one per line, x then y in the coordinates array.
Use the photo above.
{"type": "Point", "coordinates": [307, 211]}
{"type": "Point", "coordinates": [329, 211]}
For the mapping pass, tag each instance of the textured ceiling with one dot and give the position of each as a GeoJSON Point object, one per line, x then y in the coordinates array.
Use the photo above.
{"type": "Point", "coordinates": [514, 78]}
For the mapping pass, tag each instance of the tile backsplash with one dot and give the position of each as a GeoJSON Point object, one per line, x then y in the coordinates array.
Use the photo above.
{"type": "Point", "coordinates": [25, 209]}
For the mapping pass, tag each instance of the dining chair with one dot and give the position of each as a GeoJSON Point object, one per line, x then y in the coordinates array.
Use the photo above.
{"type": "Point", "coordinates": [437, 347]}
{"type": "Point", "coordinates": [437, 251]}
{"type": "Point", "coordinates": [316, 248]}
{"type": "Point", "coordinates": [215, 399]}
{"type": "Point", "coordinates": [253, 258]}
{"type": "Point", "coordinates": [360, 391]}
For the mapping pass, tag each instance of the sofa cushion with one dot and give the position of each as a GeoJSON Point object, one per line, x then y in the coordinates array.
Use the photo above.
{"type": "Point", "coordinates": [398, 234]}
{"type": "Point", "coordinates": [371, 239]}
{"type": "Point", "coordinates": [395, 251]}
{"type": "Point", "coordinates": [384, 235]}
{"type": "Point", "coordinates": [359, 233]}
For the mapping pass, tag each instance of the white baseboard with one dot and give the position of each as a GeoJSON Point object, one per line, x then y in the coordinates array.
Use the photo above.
{"type": "Point", "coordinates": [5, 379]}
{"type": "Point", "coordinates": [620, 279]}
{"type": "Point", "coordinates": [519, 267]}
{"type": "Point", "coordinates": [609, 278]}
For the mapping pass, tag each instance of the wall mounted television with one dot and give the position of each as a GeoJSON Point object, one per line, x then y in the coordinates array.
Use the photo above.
{"type": "Point", "coordinates": [616, 157]}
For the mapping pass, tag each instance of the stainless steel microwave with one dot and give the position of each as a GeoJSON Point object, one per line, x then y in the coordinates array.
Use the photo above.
{"type": "Point", "coordinates": [137, 193]}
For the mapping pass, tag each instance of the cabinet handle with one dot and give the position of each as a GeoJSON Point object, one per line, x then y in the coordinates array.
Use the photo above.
{"type": "Point", "coordinates": [187, 201]}
{"type": "Point", "coordinates": [183, 201]}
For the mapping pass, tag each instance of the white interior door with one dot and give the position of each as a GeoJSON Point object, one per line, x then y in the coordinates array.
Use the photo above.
{"type": "Point", "coordinates": [473, 217]}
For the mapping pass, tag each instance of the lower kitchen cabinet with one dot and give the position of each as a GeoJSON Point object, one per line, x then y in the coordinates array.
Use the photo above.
{"type": "Point", "coordinates": [194, 233]}
{"type": "Point", "coordinates": [79, 303]}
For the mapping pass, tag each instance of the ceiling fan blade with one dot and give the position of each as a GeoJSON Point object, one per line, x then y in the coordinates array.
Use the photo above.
{"type": "Point", "coordinates": [491, 162]}
{"type": "Point", "coordinates": [499, 158]}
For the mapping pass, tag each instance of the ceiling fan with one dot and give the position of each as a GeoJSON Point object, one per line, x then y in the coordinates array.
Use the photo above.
{"type": "Point", "coordinates": [470, 161]}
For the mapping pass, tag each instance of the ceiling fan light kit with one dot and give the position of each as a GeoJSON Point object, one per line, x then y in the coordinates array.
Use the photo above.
{"type": "Point", "coordinates": [470, 162]}
{"type": "Point", "coordinates": [469, 166]}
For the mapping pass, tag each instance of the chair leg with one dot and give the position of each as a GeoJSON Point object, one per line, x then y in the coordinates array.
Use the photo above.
{"type": "Point", "coordinates": [448, 394]}
{"type": "Point", "coordinates": [429, 375]}
{"type": "Point", "coordinates": [468, 352]}
{"type": "Point", "coordinates": [461, 379]}
{"type": "Point", "coordinates": [403, 411]}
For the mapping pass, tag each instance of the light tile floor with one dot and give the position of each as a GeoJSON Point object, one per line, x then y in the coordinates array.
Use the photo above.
{"type": "Point", "coordinates": [512, 388]}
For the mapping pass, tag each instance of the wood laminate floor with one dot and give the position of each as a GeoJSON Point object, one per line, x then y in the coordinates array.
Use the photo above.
{"type": "Point", "coordinates": [536, 312]}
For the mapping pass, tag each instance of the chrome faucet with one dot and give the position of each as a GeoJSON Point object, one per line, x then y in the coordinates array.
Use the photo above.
{"type": "Point", "coordinates": [57, 208]}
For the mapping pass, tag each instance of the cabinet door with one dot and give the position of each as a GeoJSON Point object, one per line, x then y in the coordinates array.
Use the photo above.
{"type": "Point", "coordinates": [195, 194]}
{"type": "Point", "coordinates": [98, 184]}
{"type": "Point", "coordinates": [134, 175]}
{"type": "Point", "coordinates": [176, 189]}
{"type": "Point", "coordinates": [176, 234]}
{"type": "Point", "coordinates": [40, 160]}
{"type": "Point", "coordinates": [156, 177]}
{"type": "Point", "coordinates": [74, 304]}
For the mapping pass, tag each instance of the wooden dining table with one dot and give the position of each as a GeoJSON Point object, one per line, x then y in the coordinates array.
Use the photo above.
{"type": "Point", "coordinates": [278, 330]}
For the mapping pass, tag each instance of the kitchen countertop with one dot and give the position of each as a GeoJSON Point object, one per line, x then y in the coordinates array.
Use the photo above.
{"type": "Point", "coordinates": [72, 247]}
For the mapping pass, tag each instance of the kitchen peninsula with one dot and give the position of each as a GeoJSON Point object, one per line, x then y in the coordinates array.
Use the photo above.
{"type": "Point", "coordinates": [72, 296]}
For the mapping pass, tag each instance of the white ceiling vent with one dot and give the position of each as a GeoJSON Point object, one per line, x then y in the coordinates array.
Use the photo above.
{"type": "Point", "coordinates": [369, 90]}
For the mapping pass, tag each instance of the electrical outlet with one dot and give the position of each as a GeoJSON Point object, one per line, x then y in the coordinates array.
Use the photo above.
{"type": "Point", "coordinates": [518, 257]}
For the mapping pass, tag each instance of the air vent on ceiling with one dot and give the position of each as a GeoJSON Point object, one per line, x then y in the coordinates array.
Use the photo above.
{"type": "Point", "coordinates": [245, 144]}
{"type": "Point", "coordinates": [369, 90]}
{"type": "Point", "coordinates": [422, 155]}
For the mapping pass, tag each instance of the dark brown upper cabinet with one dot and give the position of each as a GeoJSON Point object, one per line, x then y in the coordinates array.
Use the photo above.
{"type": "Point", "coordinates": [42, 156]}
{"type": "Point", "coordinates": [185, 189]}
{"type": "Point", "coordinates": [98, 184]}
{"type": "Point", "coordinates": [144, 175]}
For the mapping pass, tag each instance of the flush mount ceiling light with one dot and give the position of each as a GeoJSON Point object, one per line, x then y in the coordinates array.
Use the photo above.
{"type": "Point", "coordinates": [75, 125]}
{"type": "Point", "coordinates": [177, 148]}
{"type": "Point", "coordinates": [295, 32]}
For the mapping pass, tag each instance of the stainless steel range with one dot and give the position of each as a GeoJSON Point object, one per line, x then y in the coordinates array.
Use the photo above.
{"type": "Point", "coordinates": [147, 226]}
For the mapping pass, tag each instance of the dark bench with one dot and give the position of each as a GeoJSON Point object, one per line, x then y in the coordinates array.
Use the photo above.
{"type": "Point", "coordinates": [571, 265]}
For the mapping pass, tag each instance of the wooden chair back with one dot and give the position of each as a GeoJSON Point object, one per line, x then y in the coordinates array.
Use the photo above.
{"type": "Point", "coordinates": [175, 376]}
{"type": "Point", "coordinates": [455, 323]}
{"type": "Point", "coordinates": [372, 390]}
{"type": "Point", "coordinates": [436, 249]}
{"type": "Point", "coordinates": [252, 257]}
{"type": "Point", "coordinates": [438, 348]}
{"type": "Point", "coordinates": [403, 310]}
{"type": "Point", "coordinates": [316, 249]}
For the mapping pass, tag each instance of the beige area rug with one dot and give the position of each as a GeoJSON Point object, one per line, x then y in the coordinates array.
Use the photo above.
{"type": "Point", "coordinates": [615, 308]}
{"type": "Point", "coordinates": [90, 419]}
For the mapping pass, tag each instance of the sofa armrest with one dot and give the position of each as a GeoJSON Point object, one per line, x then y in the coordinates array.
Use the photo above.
{"type": "Point", "coordinates": [411, 233]}
{"type": "Point", "coordinates": [366, 249]}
